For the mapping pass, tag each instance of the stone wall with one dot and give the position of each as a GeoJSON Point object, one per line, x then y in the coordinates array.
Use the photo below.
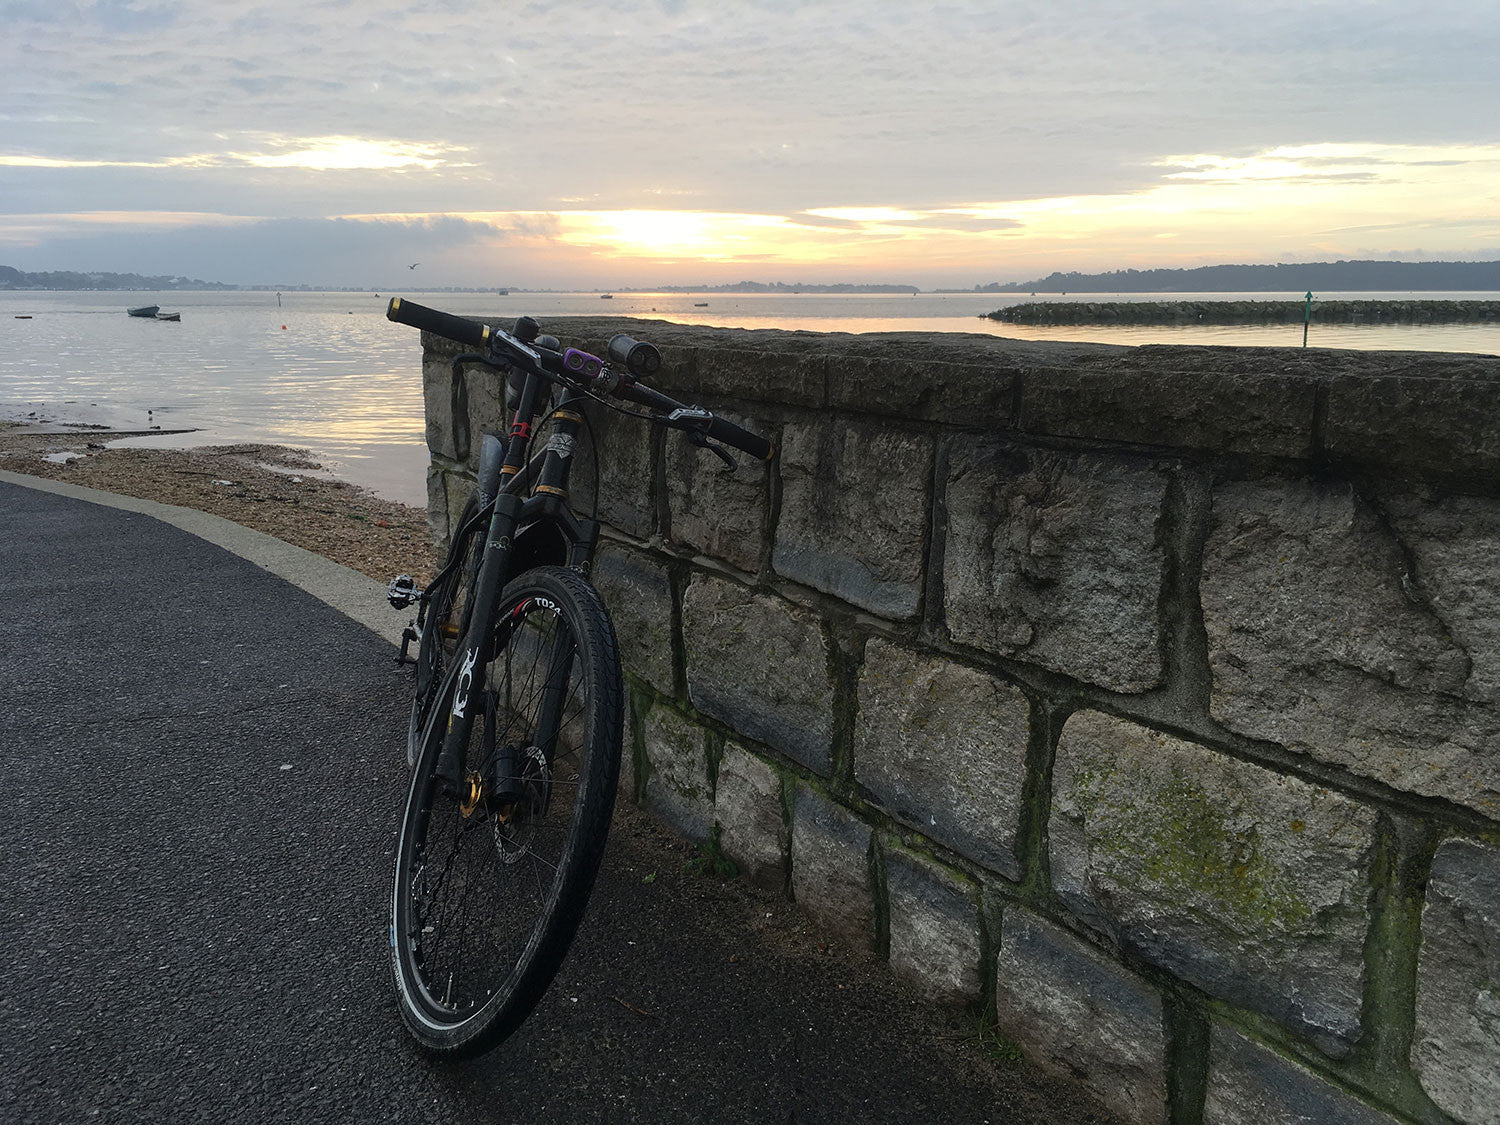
{"type": "Point", "coordinates": [1144, 701]}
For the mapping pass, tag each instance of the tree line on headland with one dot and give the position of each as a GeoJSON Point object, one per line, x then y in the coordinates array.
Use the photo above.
{"type": "Point", "coordinates": [12, 278]}
{"type": "Point", "coordinates": [1248, 312]}
{"type": "Point", "coordinates": [1284, 277]}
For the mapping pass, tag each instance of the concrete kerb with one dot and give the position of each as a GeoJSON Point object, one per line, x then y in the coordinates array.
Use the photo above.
{"type": "Point", "coordinates": [356, 596]}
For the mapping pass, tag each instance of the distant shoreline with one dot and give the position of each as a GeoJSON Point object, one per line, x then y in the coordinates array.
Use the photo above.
{"type": "Point", "coordinates": [1249, 312]}
{"type": "Point", "coordinates": [1356, 276]}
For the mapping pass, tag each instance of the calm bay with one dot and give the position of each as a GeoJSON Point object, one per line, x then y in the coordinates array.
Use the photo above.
{"type": "Point", "coordinates": [328, 372]}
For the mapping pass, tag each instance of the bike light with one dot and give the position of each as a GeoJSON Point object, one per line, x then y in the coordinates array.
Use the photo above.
{"type": "Point", "coordinates": [581, 363]}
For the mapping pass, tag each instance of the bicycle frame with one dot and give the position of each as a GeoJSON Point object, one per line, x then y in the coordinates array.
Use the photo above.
{"type": "Point", "coordinates": [515, 515]}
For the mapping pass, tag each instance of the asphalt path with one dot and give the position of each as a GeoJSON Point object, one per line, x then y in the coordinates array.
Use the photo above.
{"type": "Point", "coordinates": [201, 773]}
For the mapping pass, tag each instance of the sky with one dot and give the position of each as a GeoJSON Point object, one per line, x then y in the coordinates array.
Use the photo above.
{"type": "Point", "coordinates": [588, 145]}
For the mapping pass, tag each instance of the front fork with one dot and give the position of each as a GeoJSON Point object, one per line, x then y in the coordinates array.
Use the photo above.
{"type": "Point", "coordinates": [477, 649]}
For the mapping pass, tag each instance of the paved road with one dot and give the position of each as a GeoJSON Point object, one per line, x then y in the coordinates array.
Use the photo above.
{"type": "Point", "coordinates": [202, 772]}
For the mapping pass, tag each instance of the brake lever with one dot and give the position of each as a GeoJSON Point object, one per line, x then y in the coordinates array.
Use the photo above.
{"type": "Point", "coordinates": [697, 438]}
{"type": "Point", "coordinates": [694, 421]}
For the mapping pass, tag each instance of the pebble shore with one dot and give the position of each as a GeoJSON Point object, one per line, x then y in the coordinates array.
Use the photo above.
{"type": "Point", "coordinates": [281, 491]}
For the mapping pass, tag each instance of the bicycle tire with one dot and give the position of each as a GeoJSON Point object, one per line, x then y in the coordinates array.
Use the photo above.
{"type": "Point", "coordinates": [462, 1000]}
{"type": "Point", "coordinates": [438, 622]}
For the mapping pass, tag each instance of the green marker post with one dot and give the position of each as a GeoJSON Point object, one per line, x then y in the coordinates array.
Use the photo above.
{"type": "Point", "coordinates": [1306, 318]}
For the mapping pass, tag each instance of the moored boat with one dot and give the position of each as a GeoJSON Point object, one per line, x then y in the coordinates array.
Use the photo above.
{"type": "Point", "coordinates": [168, 316]}
{"type": "Point", "coordinates": [145, 310]}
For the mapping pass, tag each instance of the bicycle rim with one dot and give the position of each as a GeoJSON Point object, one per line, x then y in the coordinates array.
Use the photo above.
{"type": "Point", "coordinates": [491, 880]}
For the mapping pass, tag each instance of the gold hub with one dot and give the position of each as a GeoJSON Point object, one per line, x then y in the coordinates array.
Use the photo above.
{"type": "Point", "coordinates": [473, 794]}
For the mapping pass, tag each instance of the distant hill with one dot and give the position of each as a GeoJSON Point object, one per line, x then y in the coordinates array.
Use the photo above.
{"type": "Point", "coordinates": [11, 278]}
{"type": "Point", "coordinates": [1280, 278]}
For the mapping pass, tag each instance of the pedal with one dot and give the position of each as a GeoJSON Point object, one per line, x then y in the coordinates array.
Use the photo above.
{"type": "Point", "coordinates": [402, 591]}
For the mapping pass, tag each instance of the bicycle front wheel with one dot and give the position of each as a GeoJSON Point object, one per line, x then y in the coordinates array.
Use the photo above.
{"type": "Point", "coordinates": [492, 877]}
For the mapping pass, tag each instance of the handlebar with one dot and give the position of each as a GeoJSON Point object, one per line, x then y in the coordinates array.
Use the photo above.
{"type": "Point", "coordinates": [459, 328]}
{"type": "Point", "coordinates": [720, 429]}
{"type": "Point", "coordinates": [579, 368]}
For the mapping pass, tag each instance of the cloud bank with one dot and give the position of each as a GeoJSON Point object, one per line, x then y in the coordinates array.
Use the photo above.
{"type": "Point", "coordinates": [936, 143]}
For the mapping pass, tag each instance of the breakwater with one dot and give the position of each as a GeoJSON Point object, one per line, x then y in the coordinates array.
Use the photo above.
{"type": "Point", "coordinates": [1249, 312]}
{"type": "Point", "coordinates": [1145, 702]}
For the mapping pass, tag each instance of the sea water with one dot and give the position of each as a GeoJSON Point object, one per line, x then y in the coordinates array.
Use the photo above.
{"type": "Point", "coordinates": [327, 372]}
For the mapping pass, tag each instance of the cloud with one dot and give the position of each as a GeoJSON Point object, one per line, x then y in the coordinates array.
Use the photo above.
{"type": "Point", "coordinates": [270, 251]}
{"type": "Point", "coordinates": [1329, 163]}
{"type": "Point", "coordinates": [876, 125]}
{"type": "Point", "coordinates": [318, 154]}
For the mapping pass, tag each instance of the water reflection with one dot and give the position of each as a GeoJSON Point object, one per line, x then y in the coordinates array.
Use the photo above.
{"type": "Point", "coordinates": [326, 371]}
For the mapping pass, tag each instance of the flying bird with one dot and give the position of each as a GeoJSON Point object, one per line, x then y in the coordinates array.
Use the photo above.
{"type": "Point", "coordinates": [414, 265]}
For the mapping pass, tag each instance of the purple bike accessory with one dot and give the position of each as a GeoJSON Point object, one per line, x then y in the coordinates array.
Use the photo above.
{"type": "Point", "coordinates": [581, 363]}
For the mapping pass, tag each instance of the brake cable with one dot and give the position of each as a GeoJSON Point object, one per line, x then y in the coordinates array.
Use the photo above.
{"type": "Point", "coordinates": [458, 400]}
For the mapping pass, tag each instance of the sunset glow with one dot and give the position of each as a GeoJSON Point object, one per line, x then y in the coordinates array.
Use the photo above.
{"type": "Point", "coordinates": [931, 145]}
{"type": "Point", "coordinates": [1202, 207]}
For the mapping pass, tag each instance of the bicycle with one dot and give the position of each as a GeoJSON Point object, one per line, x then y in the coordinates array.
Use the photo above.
{"type": "Point", "coordinates": [516, 724]}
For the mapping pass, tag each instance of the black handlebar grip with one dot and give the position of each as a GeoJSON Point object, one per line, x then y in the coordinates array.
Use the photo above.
{"type": "Point", "coordinates": [741, 439]}
{"type": "Point", "coordinates": [640, 358]}
{"type": "Point", "coordinates": [459, 328]}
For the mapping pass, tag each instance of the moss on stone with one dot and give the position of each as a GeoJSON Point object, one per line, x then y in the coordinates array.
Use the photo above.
{"type": "Point", "coordinates": [1182, 844]}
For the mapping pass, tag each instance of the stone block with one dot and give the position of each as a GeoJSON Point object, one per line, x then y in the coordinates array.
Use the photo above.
{"type": "Point", "coordinates": [942, 748]}
{"type": "Point", "coordinates": [1456, 1052]}
{"type": "Point", "coordinates": [1247, 883]}
{"type": "Point", "coordinates": [795, 379]}
{"type": "Point", "coordinates": [1455, 543]}
{"type": "Point", "coordinates": [637, 590]}
{"type": "Point", "coordinates": [457, 488]}
{"type": "Point", "coordinates": [626, 497]}
{"type": "Point", "coordinates": [1214, 410]}
{"type": "Point", "coordinates": [1077, 1014]}
{"type": "Point", "coordinates": [1362, 636]}
{"type": "Point", "coordinates": [1055, 559]}
{"type": "Point", "coordinates": [1251, 1085]}
{"type": "Point", "coordinates": [935, 937]}
{"type": "Point", "coordinates": [748, 809]}
{"type": "Point", "coordinates": [853, 521]}
{"type": "Point", "coordinates": [964, 394]}
{"type": "Point", "coordinates": [437, 405]}
{"type": "Point", "coordinates": [484, 406]}
{"type": "Point", "coordinates": [761, 666]}
{"type": "Point", "coordinates": [677, 784]}
{"type": "Point", "coordinates": [831, 868]}
{"type": "Point", "coordinates": [628, 790]}
{"type": "Point", "coordinates": [438, 530]}
{"type": "Point", "coordinates": [1417, 422]}
{"type": "Point", "coordinates": [720, 513]}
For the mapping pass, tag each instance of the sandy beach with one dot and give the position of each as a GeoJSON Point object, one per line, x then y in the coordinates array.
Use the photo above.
{"type": "Point", "coordinates": [275, 489]}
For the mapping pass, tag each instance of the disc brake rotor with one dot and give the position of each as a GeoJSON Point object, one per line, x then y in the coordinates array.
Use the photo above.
{"type": "Point", "coordinates": [516, 826]}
